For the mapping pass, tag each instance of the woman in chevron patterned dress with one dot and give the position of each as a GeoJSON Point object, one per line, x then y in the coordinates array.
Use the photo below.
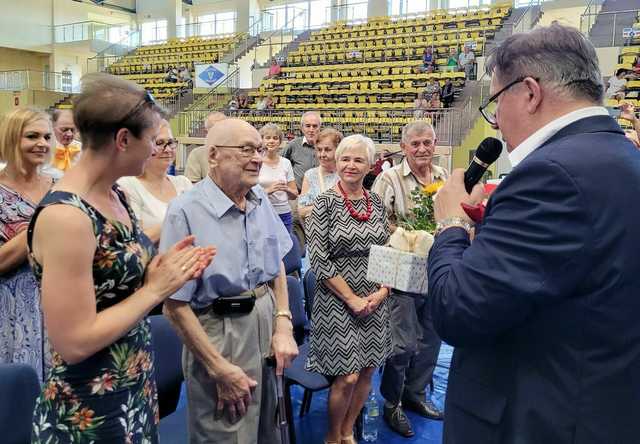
{"type": "Point", "coordinates": [350, 335]}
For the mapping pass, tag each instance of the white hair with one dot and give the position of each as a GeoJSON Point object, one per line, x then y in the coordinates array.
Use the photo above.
{"type": "Point", "coordinates": [310, 113]}
{"type": "Point", "coordinates": [357, 141]}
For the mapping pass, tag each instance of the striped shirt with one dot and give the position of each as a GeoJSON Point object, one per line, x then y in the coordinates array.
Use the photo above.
{"type": "Point", "coordinates": [395, 185]}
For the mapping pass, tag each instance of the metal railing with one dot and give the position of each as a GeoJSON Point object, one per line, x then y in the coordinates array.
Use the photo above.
{"type": "Point", "coordinates": [588, 17]}
{"type": "Point", "coordinates": [526, 21]}
{"type": "Point", "coordinates": [277, 40]}
{"type": "Point", "coordinates": [111, 54]}
{"type": "Point", "coordinates": [88, 30]}
{"type": "Point", "coordinates": [226, 86]}
{"type": "Point", "coordinates": [587, 20]}
{"type": "Point", "coordinates": [383, 126]}
{"type": "Point", "coordinates": [350, 13]}
{"type": "Point", "coordinates": [433, 12]}
{"type": "Point", "coordinates": [20, 80]}
{"type": "Point", "coordinates": [254, 37]}
{"type": "Point", "coordinates": [207, 29]}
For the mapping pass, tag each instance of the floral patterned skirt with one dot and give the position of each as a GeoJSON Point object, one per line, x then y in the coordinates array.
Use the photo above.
{"type": "Point", "coordinates": [110, 397]}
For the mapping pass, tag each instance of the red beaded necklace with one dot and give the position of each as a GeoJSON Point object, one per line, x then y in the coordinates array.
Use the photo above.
{"type": "Point", "coordinates": [362, 217]}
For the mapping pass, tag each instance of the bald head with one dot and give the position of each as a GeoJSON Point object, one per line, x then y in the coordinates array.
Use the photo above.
{"type": "Point", "coordinates": [212, 119]}
{"type": "Point", "coordinates": [233, 161]}
{"type": "Point", "coordinates": [232, 132]}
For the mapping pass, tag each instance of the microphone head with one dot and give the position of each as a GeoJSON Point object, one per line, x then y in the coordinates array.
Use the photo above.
{"type": "Point", "coordinates": [489, 150]}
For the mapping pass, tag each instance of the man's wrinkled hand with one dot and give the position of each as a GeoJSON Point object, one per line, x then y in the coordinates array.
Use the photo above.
{"type": "Point", "coordinates": [284, 349]}
{"type": "Point", "coordinates": [234, 393]}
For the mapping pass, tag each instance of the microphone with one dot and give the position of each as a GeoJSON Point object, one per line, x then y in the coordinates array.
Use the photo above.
{"type": "Point", "coordinates": [488, 151]}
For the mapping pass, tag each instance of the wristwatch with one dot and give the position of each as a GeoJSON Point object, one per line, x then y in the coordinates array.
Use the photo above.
{"type": "Point", "coordinates": [453, 222]}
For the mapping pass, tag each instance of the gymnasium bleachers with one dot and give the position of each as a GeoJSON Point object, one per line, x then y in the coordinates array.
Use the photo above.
{"type": "Point", "coordinates": [628, 56]}
{"type": "Point", "coordinates": [367, 76]}
{"type": "Point", "coordinates": [148, 65]}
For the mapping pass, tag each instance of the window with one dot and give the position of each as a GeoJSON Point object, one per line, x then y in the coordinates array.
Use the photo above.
{"type": "Point", "coordinates": [276, 18]}
{"type": "Point", "coordinates": [319, 14]}
{"type": "Point", "coordinates": [455, 4]}
{"type": "Point", "coordinates": [154, 31]}
{"type": "Point", "coordinates": [207, 24]}
{"type": "Point", "coordinates": [356, 10]}
{"type": "Point", "coordinates": [298, 15]}
{"type": "Point", "coordinates": [225, 22]}
{"type": "Point", "coordinates": [118, 33]}
{"type": "Point", "coordinates": [216, 24]}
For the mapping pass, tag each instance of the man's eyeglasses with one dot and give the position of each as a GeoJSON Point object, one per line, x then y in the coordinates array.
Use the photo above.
{"type": "Point", "coordinates": [146, 100]}
{"type": "Point", "coordinates": [488, 108]}
{"type": "Point", "coordinates": [162, 145]}
{"type": "Point", "coordinates": [247, 150]}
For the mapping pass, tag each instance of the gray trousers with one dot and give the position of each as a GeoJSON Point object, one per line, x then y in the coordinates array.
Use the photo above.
{"type": "Point", "coordinates": [244, 340]}
{"type": "Point", "coordinates": [415, 349]}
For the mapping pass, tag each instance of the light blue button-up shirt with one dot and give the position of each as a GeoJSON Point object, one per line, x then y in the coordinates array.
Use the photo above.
{"type": "Point", "coordinates": [250, 244]}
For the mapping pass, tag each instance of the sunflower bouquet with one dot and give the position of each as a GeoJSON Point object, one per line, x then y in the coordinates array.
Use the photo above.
{"type": "Point", "coordinates": [402, 263]}
{"type": "Point", "coordinates": [422, 217]}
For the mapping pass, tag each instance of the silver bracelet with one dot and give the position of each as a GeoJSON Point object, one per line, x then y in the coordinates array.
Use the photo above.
{"type": "Point", "coordinates": [455, 221]}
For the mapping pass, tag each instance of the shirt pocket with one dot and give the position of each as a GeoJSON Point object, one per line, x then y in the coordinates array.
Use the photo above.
{"type": "Point", "coordinates": [271, 257]}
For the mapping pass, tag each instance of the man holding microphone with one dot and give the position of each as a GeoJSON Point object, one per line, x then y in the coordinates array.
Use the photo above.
{"type": "Point", "coordinates": [542, 306]}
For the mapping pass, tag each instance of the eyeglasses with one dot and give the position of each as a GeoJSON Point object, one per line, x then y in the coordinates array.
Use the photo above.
{"type": "Point", "coordinates": [246, 150]}
{"type": "Point", "coordinates": [162, 146]}
{"type": "Point", "coordinates": [488, 109]}
{"type": "Point", "coordinates": [146, 100]}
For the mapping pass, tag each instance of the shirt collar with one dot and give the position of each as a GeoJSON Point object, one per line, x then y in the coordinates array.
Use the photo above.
{"type": "Point", "coordinates": [221, 202]}
{"type": "Point", "coordinates": [436, 171]}
{"type": "Point", "coordinates": [305, 142]}
{"type": "Point", "coordinates": [546, 132]}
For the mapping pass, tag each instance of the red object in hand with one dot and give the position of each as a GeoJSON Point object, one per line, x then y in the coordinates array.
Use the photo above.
{"type": "Point", "coordinates": [475, 212]}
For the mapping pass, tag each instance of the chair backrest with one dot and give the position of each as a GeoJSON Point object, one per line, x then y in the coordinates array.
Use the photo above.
{"type": "Point", "coordinates": [309, 281]}
{"type": "Point", "coordinates": [293, 259]}
{"type": "Point", "coordinates": [167, 349]}
{"type": "Point", "coordinates": [19, 388]}
{"type": "Point", "coordinates": [296, 306]}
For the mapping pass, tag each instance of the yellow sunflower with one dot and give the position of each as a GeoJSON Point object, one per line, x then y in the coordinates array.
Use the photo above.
{"type": "Point", "coordinates": [433, 187]}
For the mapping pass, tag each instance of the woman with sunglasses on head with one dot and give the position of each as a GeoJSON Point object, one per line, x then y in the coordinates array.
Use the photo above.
{"type": "Point", "coordinates": [99, 279]}
{"type": "Point", "coordinates": [150, 193]}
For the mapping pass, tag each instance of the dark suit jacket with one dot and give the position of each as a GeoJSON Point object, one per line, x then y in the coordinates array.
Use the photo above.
{"type": "Point", "coordinates": [544, 306]}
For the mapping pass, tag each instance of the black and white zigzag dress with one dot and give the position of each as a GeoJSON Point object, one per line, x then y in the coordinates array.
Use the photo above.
{"type": "Point", "coordinates": [339, 245]}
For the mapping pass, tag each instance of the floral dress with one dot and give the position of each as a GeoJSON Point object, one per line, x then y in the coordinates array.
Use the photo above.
{"type": "Point", "coordinates": [111, 396]}
{"type": "Point", "coordinates": [21, 328]}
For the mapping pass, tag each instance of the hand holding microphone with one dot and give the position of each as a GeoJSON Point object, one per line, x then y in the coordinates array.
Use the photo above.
{"type": "Point", "coordinates": [462, 186]}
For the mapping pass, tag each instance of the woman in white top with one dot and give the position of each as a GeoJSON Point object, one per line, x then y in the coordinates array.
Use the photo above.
{"type": "Point", "coordinates": [317, 180]}
{"type": "Point", "coordinates": [276, 174]}
{"type": "Point", "coordinates": [149, 194]}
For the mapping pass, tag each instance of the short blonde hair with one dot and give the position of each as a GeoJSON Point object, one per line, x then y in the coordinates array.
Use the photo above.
{"type": "Point", "coordinates": [271, 129]}
{"type": "Point", "coordinates": [357, 140]}
{"type": "Point", "coordinates": [11, 129]}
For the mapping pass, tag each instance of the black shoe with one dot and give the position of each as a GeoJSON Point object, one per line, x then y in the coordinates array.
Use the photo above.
{"type": "Point", "coordinates": [398, 421]}
{"type": "Point", "coordinates": [423, 408]}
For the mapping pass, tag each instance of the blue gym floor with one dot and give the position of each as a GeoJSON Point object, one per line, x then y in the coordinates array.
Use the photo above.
{"type": "Point", "coordinates": [311, 428]}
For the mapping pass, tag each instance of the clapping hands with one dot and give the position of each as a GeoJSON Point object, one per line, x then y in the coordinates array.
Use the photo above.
{"type": "Point", "coordinates": [277, 186]}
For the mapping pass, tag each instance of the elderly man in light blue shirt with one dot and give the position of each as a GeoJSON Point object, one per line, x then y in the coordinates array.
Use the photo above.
{"type": "Point", "coordinates": [237, 314]}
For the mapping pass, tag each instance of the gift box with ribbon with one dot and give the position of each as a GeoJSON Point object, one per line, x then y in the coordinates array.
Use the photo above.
{"type": "Point", "coordinates": [403, 263]}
